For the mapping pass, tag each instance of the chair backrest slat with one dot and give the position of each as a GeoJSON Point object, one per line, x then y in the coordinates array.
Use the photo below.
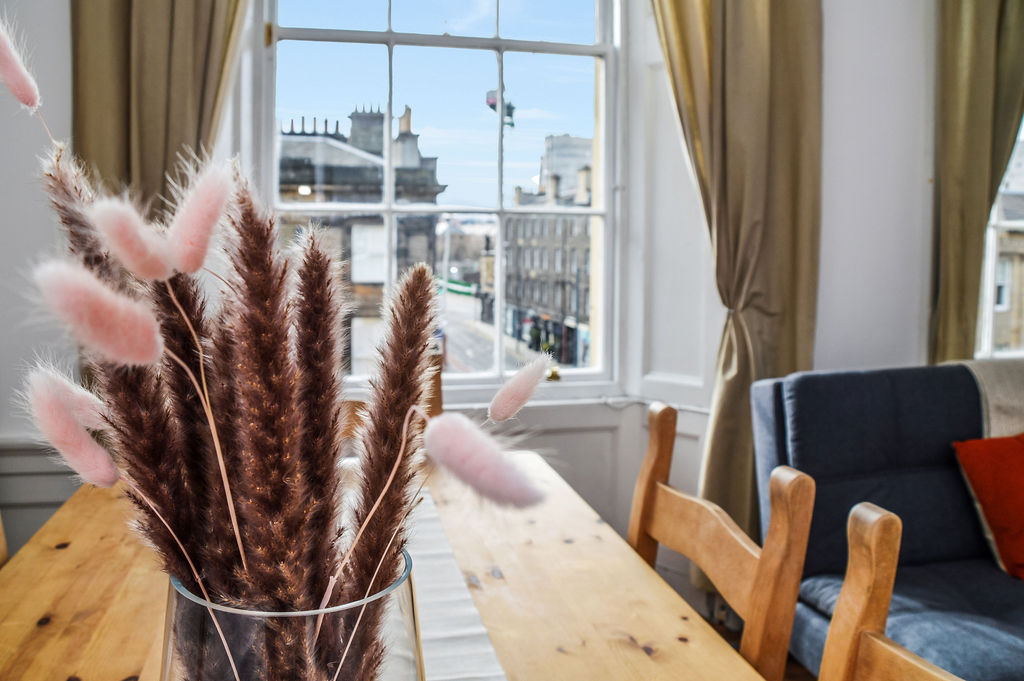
{"type": "Point", "coordinates": [3, 543]}
{"type": "Point", "coordinates": [856, 648]}
{"type": "Point", "coordinates": [696, 527]}
{"type": "Point", "coordinates": [761, 584]}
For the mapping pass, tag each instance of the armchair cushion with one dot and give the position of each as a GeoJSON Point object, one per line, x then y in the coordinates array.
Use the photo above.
{"type": "Point", "coordinates": [965, 616]}
{"type": "Point", "coordinates": [994, 468]}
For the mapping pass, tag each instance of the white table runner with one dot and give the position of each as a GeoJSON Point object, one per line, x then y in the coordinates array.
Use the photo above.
{"type": "Point", "coordinates": [455, 643]}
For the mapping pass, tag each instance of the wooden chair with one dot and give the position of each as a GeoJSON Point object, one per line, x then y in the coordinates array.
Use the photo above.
{"type": "Point", "coordinates": [3, 543]}
{"type": "Point", "coordinates": [856, 648]}
{"type": "Point", "coordinates": [760, 584]}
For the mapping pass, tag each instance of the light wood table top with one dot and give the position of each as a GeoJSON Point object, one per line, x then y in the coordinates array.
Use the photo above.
{"type": "Point", "coordinates": [561, 594]}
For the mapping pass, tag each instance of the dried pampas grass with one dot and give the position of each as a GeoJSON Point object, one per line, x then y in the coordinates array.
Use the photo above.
{"type": "Point", "coordinates": [518, 390]}
{"type": "Point", "coordinates": [119, 329]}
{"type": "Point", "coordinates": [199, 211]}
{"type": "Point", "coordinates": [63, 411]}
{"type": "Point", "coordinates": [226, 423]}
{"type": "Point", "coordinates": [476, 458]}
{"type": "Point", "coordinates": [13, 72]}
{"type": "Point", "coordinates": [130, 239]}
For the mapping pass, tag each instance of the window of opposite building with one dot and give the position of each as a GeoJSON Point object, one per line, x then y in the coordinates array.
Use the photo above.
{"type": "Point", "coordinates": [1001, 307]}
{"type": "Point", "coordinates": [1002, 284]}
{"type": "Point", "coordinates": [472, 136]}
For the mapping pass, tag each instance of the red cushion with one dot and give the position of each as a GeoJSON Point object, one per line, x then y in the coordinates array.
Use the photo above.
{"type": "Point", "coordinates": [994, 468]}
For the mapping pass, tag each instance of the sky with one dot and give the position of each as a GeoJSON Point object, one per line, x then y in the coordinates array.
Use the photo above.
{"type": "Point", "coordinates": [446, 88]}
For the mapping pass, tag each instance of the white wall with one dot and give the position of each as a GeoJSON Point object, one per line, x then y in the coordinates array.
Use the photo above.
{"type": "Point", "coordinates": [31, 486]}
{"type": "Point", "coordinates": [876, 216]}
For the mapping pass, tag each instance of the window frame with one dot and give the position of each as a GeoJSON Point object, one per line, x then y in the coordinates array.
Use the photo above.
{"type": "Point", "coordinates": [986, 317]}
{"type": "Point", "coordinates": [609, 63]}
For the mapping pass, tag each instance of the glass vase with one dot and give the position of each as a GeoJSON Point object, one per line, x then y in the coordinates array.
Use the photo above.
{"type": "Point", "coordinates": [280, 646]}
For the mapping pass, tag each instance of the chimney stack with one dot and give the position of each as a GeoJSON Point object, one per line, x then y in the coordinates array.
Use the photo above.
{"type": "Point", "coordinates": [553, 182]}
{"type": "Point", "coordinates": [405, 122]}
{"type": "Point", "coordinates": [582, 197]}
{"type": "Point", "coordinates": [367, 131]}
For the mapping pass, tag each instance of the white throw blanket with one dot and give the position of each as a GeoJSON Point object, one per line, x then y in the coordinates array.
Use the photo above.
{"type": "Point", "coordinates": [1001, 385]}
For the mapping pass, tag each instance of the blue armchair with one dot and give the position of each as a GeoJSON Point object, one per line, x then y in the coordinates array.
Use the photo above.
{"type": "Point", "coordinates": [886, 436]}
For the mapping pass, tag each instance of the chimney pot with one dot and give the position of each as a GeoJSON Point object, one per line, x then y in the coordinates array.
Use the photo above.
{"type": "Point", "coordinates": [405, 121]}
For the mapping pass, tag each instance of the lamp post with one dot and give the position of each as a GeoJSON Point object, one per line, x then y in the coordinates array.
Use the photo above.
{"type": "Point", "coordinates": [579, 336]}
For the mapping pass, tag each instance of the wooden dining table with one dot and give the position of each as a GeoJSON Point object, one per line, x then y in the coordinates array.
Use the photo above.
{"type": "Point", "coordinates": [561, 594]}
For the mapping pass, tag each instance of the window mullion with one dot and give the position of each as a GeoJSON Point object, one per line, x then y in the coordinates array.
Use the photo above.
{"type": "Point", "coordinates": [388, 193]}
{"type": "Point", "coordinates": [499, 246]}
{"type": "Point", "coordinates": [331, 35]}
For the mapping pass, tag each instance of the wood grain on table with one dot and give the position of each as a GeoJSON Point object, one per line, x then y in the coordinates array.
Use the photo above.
{"type": "Point", "coordinates": [561, 594]}
{"type": "Point", "coordinates": [84, 598]}
{"type": "Point", "coordinates": [564, 597]}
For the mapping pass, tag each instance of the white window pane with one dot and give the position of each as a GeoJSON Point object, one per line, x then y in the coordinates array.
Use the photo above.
{"type": "Point", "coordinates": [362, 15]}
{"type": "Point", "coordinates": [457, 17]}
{"type": "Point", "coordinates": [330, 142]}
{"type": "Point", "coordinates": [443, 124]}
{"type": "Point", "coordinates": [369, 257]}
{"type": "Point", "coordinates": [564, 21]}
{"type": "Point", "coordinates": [549, 153]}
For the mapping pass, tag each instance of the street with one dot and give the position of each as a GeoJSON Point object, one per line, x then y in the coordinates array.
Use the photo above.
{"type": "Point", "coordinates": [470, 342]}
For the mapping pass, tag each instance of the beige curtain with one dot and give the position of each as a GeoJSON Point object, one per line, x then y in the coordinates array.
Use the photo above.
{"type": "Point", "coordinates": [150, 78]}
{"type": "Point", "coordinates": [746, 75]}
{"type": "Point", "coordinates": [980, 104]}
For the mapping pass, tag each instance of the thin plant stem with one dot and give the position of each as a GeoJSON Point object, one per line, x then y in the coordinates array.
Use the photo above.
{"type": "Point", "coordinates": [39, 115]}
{"type": "Point", "coordinates": [195, 572]}
{"type": "Point", "coordinates": [369, 587]}
{"type": "Point", "coordinates": [222, 279]}
{"type": "Point", "coordinates": [195, 338]}
{"type": "Point", "coordinates": [330, 586]}
{"type": "Point", "coordinates": [217, 449]}
{"type": "Point", "coordinates": [414, 409]}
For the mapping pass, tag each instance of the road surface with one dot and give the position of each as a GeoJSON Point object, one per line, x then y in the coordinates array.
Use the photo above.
{"type": "Point", "coordinates": [470, 342]}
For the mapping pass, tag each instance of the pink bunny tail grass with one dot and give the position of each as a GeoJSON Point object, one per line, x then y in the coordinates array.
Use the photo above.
{"type": "Point", "coordinates": [117, 328]}
{"type": "Point", "coordinates": [474, 457]}
{"type": "Point", "coordinates": [198, 213]}
{"type": "Point", "coordinates": [14, 74]}
{"type": "Point", "coordinates": [131, 240]}
{"type": "Point", "coordinates": [517, 390]}
{"type": "Point", "coordinates": [63, 410]}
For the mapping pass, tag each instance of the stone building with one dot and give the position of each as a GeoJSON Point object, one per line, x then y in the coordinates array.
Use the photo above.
{"type": "Point", "coordinates": [320, 165]}
{"type": "Point", "coordinates": [547, 257]}
{"type": "Point", "coordinates": [1008, 299]}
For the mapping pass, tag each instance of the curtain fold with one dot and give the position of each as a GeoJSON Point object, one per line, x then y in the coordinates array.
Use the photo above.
{"type": "Point", "coordinates": [149, 82]}
{"type": "Point", "coordinates": [980, 104]}
{"type": "Point", "coordinates": [746, 77]}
